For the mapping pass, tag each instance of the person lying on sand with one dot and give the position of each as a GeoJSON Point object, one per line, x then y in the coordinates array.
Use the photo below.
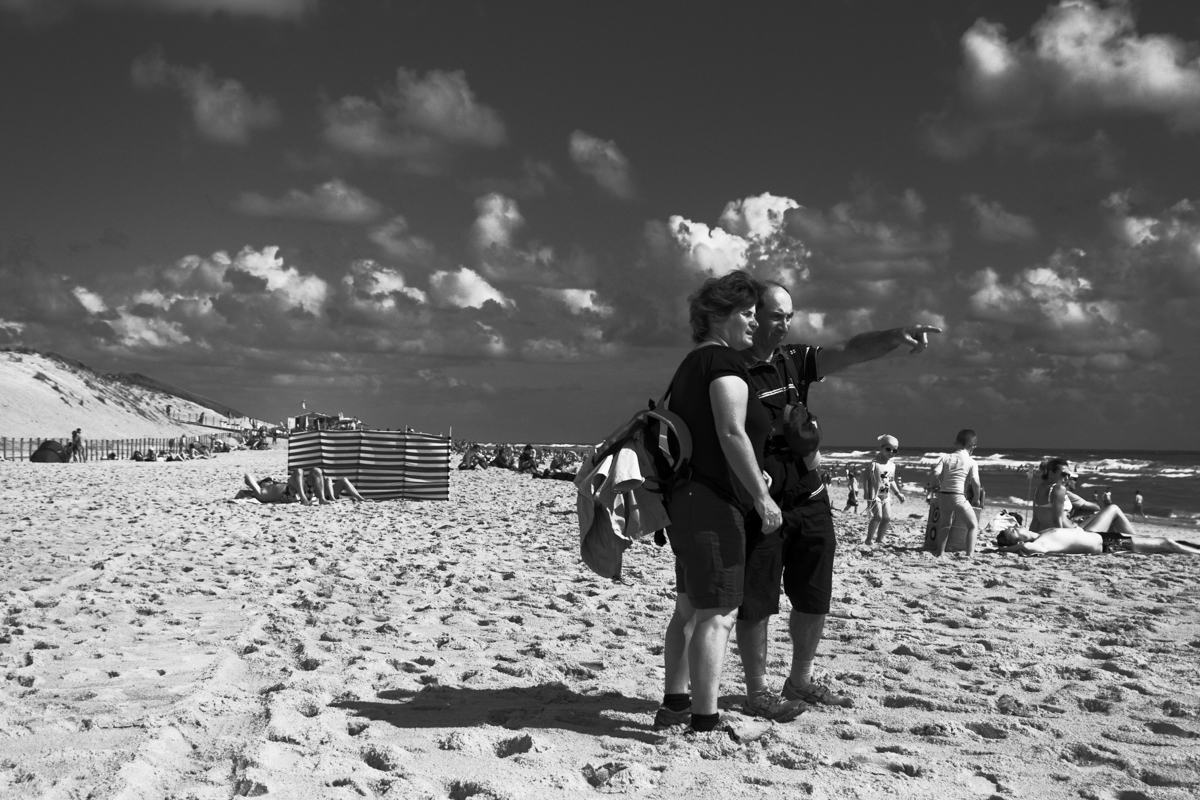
{"type": "Point", "coordinates": [1079, 541]}
{"type": "Point", "coordinates": [326, 489]}
{"type": "Point", "coordinates": [269, 490]}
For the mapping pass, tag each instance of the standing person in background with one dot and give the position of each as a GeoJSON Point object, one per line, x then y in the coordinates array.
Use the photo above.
{"type": "Point", "coordinates": [1137, 504]}
{"type": "Point", "coordinates": [802, 553]}
{"type": "Point", "coordinates": [77, 451]}
{"type": "Point", "coordinates": [880, 483]}
{"type": "Point", "coordinates": [954, 473]}
{"type": "Point", "coordinates": [709, 514]}
{"type": "Point", "coordinates": [852, 496]}
{"type": "Point", "coordinates": [1106, 499]}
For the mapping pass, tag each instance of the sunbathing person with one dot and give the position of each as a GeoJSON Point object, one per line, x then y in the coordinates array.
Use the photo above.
{"type": "Point", "coordinates": [1053, 532]}
{"type": "Point", "coordinates": [269, 490]}
{"type": "Point", "coordinates": [326, 489]}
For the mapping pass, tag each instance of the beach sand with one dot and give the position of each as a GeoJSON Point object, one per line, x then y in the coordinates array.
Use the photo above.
{"type": "Point", "coordinates": [160, 640]}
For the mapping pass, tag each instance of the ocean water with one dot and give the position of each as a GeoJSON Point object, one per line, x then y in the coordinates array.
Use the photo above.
{"type": "Point", "coordinates": [1168, 479]}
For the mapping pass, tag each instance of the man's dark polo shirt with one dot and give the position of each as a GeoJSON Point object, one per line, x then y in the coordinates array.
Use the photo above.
{"type": "Point", "coordinates": [769, 380]}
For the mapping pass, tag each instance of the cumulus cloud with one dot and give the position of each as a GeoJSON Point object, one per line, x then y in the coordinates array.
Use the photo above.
{"type": "Point", "coordinates": [222, 110]}
{"type": "Point", "coordinates": [995, 224]}
{"type": "Point", "coordinates": [497, 219]}
{"type": "Point", "coordinates": [334, 201]}
{"type": "Point", "coordinates": [580, 301]}
{"type": "Point", "coordinates": [1160, 251]}
{"type": "Point", "coordinates": [1061, 310]}
{"type": "Point", "coordinates": [379, 287]}
{"type": "Point", "coordinates": [1079, 59]}
{"type": "Point", "coordinates": [606, 164]}
{"type": "Point", "coordinates": [464, 288]}
{"type": "Point", "coordinates": [394, 238]}
{"type": "Point", "coordinates": [871, 237]}
{"type": "Point", "coordinates": [750, 234]}
{"type": "Point", "coordinates": [418, 121]}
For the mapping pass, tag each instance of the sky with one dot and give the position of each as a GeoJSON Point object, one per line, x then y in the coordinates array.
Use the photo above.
{"type": "Point", "coordinates": [488, 216]}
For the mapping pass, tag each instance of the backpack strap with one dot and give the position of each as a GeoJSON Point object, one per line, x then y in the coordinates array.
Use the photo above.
{"type": "Point", "coordinates": [793, 377]}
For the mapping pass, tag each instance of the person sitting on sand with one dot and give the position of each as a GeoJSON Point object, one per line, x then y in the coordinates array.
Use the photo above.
{"type": "Point", "coordinates": [473, 459]}
{"type": "Point", "coordinates": [879, 484]}
{"type": "Point", "coordinates": [504, 457]}
{"type": "Point", "coordinates": [528, 461]}
{"type": "Point", "coordinates": [1053, 532]}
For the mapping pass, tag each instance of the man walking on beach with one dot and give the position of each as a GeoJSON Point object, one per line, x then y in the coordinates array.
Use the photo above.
{"type": "Point", "coordinates": [802, 551]}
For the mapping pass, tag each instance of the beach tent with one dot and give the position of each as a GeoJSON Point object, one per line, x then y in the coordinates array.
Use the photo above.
{"type": "Point", "coordinates": [49, 452]}
{"type": "Point", "coordinates": [383, 465]}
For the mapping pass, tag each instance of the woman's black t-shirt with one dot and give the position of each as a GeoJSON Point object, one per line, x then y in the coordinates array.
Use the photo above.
{"type": "Point", "coordinates": [690, 400]}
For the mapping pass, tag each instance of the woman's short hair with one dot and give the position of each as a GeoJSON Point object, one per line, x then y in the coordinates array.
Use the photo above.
{"type": "Point", "coordinates": [717, 298]}
{"type": "Point", "coordinates": [964, 437]}
{"type": "Point", "coordinates": [1051, 464]}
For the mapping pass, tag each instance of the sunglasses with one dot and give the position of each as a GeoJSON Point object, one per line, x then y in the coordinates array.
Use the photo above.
{"type": "Point", "coordinates": [891, 449]}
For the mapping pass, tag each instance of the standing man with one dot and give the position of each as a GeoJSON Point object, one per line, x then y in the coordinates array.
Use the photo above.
{"type": "Point", "coordinates": [77, 451]}
{"type": "Point", "coordinates": [802, 551]}
{"type": "Point", "coordinates": [1137, 504]}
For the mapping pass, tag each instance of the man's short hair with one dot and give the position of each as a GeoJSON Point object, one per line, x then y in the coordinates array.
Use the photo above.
{"type": "Point", "coordinates": [964, 437]}
{"type": "Point", "coordinates": [764, 287]}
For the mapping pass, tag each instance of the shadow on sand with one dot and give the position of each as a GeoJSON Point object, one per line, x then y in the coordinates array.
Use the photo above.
{"type": "Point", "coordinates": [550, 705]}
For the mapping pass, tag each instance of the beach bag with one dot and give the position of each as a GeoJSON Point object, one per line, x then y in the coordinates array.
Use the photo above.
{"type": "Point", "coordinates": [667, 442]}
{"type": "Point", "coordinates": [800, 428]}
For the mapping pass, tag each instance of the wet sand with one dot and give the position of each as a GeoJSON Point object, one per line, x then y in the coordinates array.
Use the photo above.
{"type": "Point", "coordinates": [159, 640]}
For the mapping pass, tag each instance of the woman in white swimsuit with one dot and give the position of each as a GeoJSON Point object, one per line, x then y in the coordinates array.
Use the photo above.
{"type": "Point", "coordinates": [953, 474]}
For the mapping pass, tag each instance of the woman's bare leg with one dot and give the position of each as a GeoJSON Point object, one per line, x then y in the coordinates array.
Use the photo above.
{"type": "Point", "coordinates": [344, 485]}
{"type": "Point", "coordinates": [1109, 520]}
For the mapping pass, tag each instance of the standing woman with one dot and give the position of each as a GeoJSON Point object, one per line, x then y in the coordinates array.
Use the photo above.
{"type": "Point", "coordinates": [729, 428]}
{"type": "Point", "coordinates": [879, 481]}
{"type": "Point", "coordinates": [953, 473]}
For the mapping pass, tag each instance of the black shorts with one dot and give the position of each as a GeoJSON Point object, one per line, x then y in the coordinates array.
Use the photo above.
{"type": "Point", "coordinates": [802, 556]}
{"type": "Point", "coordinates": [707, 535]}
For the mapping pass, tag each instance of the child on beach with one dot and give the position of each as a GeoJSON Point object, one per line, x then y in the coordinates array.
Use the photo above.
{"type": "Point", "coordinates": [851, 495]}
{"type": "Point", "coordinates": [880, 483]}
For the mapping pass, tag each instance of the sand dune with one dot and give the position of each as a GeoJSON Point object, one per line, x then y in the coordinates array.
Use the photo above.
{"type": "Point", "coordinates": [42, 396]}
{"type": "Point", "coordinates": [160, 640]}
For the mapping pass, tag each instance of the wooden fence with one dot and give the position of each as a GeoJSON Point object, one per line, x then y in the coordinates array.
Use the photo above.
{"type": "Point", "coordinates": [20, 449]}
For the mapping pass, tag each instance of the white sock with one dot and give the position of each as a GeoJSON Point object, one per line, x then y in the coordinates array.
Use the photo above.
{"type": "Point", "coordinates": [801, 673]}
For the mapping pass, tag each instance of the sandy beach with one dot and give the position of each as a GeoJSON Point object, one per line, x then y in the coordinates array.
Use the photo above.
{"type": "Point", "coordinates": [160, 640]}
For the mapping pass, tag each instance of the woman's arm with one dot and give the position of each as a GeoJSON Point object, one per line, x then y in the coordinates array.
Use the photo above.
{"type": "Point", "coordinates": [1081, 504]}
{"type": "Point", "coordinates": [729, 395]}
{"type": "Point", "coordinates": [1058, 497]}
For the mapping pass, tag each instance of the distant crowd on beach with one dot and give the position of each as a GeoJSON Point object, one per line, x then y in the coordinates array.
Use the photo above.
{"type": "Point", "coordinates": [179, 448]}
{"type": "Point", "coordinates": [559, 463]}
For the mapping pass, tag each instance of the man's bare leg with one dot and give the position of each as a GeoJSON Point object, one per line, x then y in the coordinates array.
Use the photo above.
{"type": "Point", "coordinates": [806, 631]}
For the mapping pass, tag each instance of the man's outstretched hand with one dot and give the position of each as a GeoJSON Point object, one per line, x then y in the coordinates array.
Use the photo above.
{"type": "Point", "coordinates": [917, 336]}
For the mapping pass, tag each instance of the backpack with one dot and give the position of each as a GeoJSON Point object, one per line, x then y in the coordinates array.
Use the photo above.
{"type": "Point", "coordinates": [666, 440]}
